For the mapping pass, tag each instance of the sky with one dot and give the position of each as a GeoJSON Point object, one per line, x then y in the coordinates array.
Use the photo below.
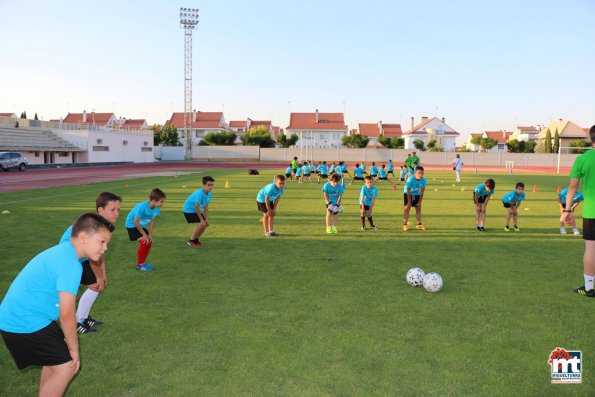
{"type": "Point", "coordinates": [483, 65]}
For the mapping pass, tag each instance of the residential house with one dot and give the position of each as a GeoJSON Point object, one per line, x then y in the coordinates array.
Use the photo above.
{"type": "Point", "coordinates": [374, 130]}
{"type": "Point", "coordinates": [317, 130]}
{"type": "Point", "coordinates": [431, 129]}
{"type": "Point", "coordinates": [525, 134]}
{"type": "Point", "coordinates": [201, 124]}
{"type": "Point", "coordinates": [92, 120]}
{"type": "Point", "coordinates": [133, 124]}
{"type": "Point", "coordinates": [240, 127]}
{"type": "Point", "coordinates": [567, 130]}
{"type": "Point", "coordinates": [473, 146]}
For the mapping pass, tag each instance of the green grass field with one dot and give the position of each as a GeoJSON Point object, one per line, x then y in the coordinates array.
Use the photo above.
{"type": "Point", "coordinates": [310, 314]}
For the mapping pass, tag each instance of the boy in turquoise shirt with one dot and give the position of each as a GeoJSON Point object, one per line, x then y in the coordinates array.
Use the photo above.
{"type": "Point", "coordinates": [196, 210]}
{"type": "Point", "coordinates": [367, 199]}
{"type": "Point", "coordinates": [481, 197]}
{"type": "Point", "coordinates": [267, 202]}
{"type": "Point", "coordinates": [413, 194]}
{"type": "Point", "coordinates": [333, 194]}
{"type": "Point", "coordinates": [578, 197]}
{"type": "Point", "coordinates": [512, 201]}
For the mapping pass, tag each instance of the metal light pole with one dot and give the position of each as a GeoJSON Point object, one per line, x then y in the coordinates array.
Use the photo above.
{"type": "Point", "coordinates": [188, 22]}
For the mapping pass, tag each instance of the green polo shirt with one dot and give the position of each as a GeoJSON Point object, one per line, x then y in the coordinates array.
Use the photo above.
{"type": "Point", "coordinates": [584, 169]}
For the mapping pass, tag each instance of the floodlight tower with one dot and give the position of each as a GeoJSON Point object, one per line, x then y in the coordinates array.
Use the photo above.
{"type": "Point", "coordinates": [188, 22]}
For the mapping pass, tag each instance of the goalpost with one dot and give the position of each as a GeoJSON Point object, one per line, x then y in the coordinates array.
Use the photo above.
{"type": "Point", "coordinates": [570, 150]}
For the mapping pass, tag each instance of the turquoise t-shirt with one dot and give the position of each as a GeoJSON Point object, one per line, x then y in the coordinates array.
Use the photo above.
{"type": "Point", "coordinates": [373, 170]}
{"type": "Point", "coordinates": [198, 197]}
{"type": "Point", "coordinates": [145, 214]}
{"type": "Point", "coordinates": [32, 300]}
{"type": "Point", "coordinates": [366, 195]}
{"type": "Point", "coordinates": [513, 198]}
{"type": "Point", "coordinates": [269, 191]}
{"type": "Point", "coordinates": [390, 167]}
{"type": "Point", "coordinates": [382, 173]}
{"type": "Point", "coordinates": [333, 192]}
{"type": "Point", "coordinates": [323, 169]}
{"type": "Point", "coordinates": [577, 197]}
{"type": "Point", "coordinates": [415, 186]}
{"type": "Point", "coordinates": [358, 172]}
{"type": "Point", "coordinates": [481, 190]}
{"type": "Point", "coordinates": [288, 171]}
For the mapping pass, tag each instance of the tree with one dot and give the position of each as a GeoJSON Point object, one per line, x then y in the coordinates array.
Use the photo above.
{"type": "Point", "coordinates": [258, 136]}
{"type": "Point", "coordinates": [287, 142]}
{"type": "Point", "coordinates": [530, 147]}
{"type": "Point", "coordinates": [391, 143]}
{"type": "Point", "coordinates": [355, 141]}
{"type": "Point", "coordinates": [556, 142]}
{"type": "Point", "coordinates": [488, 143]}
{"type": "Point", "coordinates": [579, 144]}
{"type": "Point", "coordinates": [35, 118]}
{"type": "Point", "coordinates": [419, 145]}
{"type": "Point", "coordinates": [221, 138]}
{"type": "Point", "coordinates": [548, 141]}
{"type": "Point", "coordinates": [169, 136]}
{"type": "Point", "coordinates": [434, 147]}
{"type": "Point", "coordinates": [156, 134]}
{"type": "Point", "coordinates": [24, 115]}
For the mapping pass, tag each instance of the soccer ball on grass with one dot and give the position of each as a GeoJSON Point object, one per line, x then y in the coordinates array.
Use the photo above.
{"type": "Point", "coordinates": [432, 282]}
{"type": "Point", "coordinates": [415, 277]}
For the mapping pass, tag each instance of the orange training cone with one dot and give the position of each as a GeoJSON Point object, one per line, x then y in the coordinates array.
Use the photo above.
{"type": "Point", "coordinates": [559, 190]}
{"type": "Point", "coordinates": [394, 186]}
{"type": "Point", "coordinates": [534, 188]}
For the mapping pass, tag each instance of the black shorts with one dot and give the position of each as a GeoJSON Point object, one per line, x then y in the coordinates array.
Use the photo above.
{"type": "Point", "coordinates": [306, 174]}
{"type": "Point", "coordinates": [383, 178]}
{"type": "Point", "coordinates": [323, 176]}
{"type": "Point", "coordinates": [345, 171]}
{"type": "Point", "coordinates": [414, 200]}
{"type": "Point", "coordinates": [262, 207]}
{"type": "Point", "coordinates": [589, 229]}
{"type": "Point", "coordinates": [402, 179]}
{"type": "Point", "coordinates": [480, 199]}
{"type": "Point", "coordinates": [366, 207]}
{"type": "Point", "coordinates": [134, 234]}
{"type": "Point", "coordinates": [43, 347]}
{"type": "Point", "coordinates": [294, 170]}
{"type": "Point", "coordinates": [88, 277]}
{"type": "Point", "coordinates": [193, 217]}
{"type": "Point", "coordinates": [357, 178]}
{"type": "Point", "coordinates": [391, 172]}
{"type": "Point", "coordinates": [373, 175]}
{"type": "Point", "coordinates": [288, 175]}
{"type": "Point", "coordinates": [506, 205]}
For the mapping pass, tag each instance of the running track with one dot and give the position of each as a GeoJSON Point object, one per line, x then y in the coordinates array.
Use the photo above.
{"type": "Point", "coordinates": [47, 178]}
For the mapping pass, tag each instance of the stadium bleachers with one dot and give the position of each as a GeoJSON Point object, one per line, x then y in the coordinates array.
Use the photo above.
{"type": "Point", "coordinates": [33, 139]}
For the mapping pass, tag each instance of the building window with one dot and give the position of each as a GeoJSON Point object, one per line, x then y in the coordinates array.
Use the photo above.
{"type": "Point", "coordinates": [36, 154]}
{"type": "Point", "coordinates": [146, 149]}
{"type": "Point", "coordinates": [62, 154]}
{"type": "Point", "coordinates": [101, 148]}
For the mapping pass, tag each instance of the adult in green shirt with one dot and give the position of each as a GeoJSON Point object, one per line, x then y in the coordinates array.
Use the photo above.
{"type": "Point", "coordinates": [414, 159]}
{"type": "Point", "coordinates": [584, 169]}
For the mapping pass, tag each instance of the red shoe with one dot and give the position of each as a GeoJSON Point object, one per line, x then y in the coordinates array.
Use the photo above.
{"type": "Point", "coordinates": [194, 243]}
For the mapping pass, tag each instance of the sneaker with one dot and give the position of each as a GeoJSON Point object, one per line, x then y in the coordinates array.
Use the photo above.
{"type": "Point", "coordinates": [516, 229]}
{"type": "Point", "coordinates": [374, 228]}
{"type": "Point", "coordinates": [267, 234]}
{"type": "Point", "coordinates": [334, 230]}
{"type": "Point", "coordinates": [194, 243]}
{"type": "Point", "coordinates": [84, 329]}
{"type": "Point", "coordinates": [329, 230]}
{"type": "Point", "coordinates": [576, 232]}
{"type": "Point", "coordinates": [562, 230]}
{"type": "Point", "coordinates": [149, 266]}
{"type": "Point", "coordinates": [91, 322]}
{"type": "Point", "coordinates": [506, 229]}
{"type": "Point", "coordinates": [581, 291]}
{"type": "Point", "coordinates": [481, 228]}
{"type": "Point", "coordinates": [478, 228]}
{"type": "Point", "coordinates": [405, 228]}
{"type": "Point", "coordinates": [420, 227]}
{"type": "Point", "coordinates": [273, 233]}
{"type": "Point", "coordinates": [362, 228]}
{"type": "Point", "coordinates": [144, 268]}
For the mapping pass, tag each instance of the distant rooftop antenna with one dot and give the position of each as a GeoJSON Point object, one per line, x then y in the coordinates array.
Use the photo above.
{"type": "Point", "coordinates": [188, 22]}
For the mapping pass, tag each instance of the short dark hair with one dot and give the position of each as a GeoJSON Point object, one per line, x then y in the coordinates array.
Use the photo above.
{"type": "Point", "coordinates": [592, 133]}
{"type": "Point", "coordinates": [490, 183]}
{"type": "Point", "coordinates": [104, 198]}
{"type": "Point", "coordinates": [335, 177]}
{"type": "Point", "coordinates": [157, 194]}
{"type": "Point", "coordinates": [368, 178]}
{"type": "Point", "coordinates": [419, 167]}
{"type": "Point", "coordinates": [280, 177]}
{"type": "Point", "coordinates": [207, 179]}
{"type": "Point", "coordinates": [383, 166]}
{"type": "Point", "coordinates": [90, 223]}
{"type": "Point", "coordinates": [357, 164]}
{"type": "Point", "coordinates": [520, 184]}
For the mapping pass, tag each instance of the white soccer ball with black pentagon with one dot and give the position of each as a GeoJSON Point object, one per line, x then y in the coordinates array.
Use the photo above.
{"type": "Point", "coordinates": [432, 282]}
{"type": "Point", "coordinates": [415, 277]}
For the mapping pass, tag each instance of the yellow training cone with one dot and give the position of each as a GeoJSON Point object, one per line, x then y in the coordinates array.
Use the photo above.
{"type": "Point", "coordinates": [227, 185]}
{"type": "Point", "coordinates": [6, 212]}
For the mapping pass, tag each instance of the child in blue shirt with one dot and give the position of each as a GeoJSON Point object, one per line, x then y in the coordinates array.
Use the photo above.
{"type": "Point", "coordinates": [413, 194]}
{"type": "Point", "coordinates": [196, 210]}
{"type": "Point", "coordinates": [358, 174]}
{"type": "Point", "coordinates": [367, 199]}
{"type": "Point", "coordinates": [390, 168]}
{"type": "Point", "coordinates": [578, 197]}
{"type": "Point", "coordinates": [45, 291]}
{"type": "Point", "coordinates": [374, 170]}
{"type": "Point", "coordinates": [512, 201]}
{"type": "Point", "coordinates": [298, 173]}
{"type": "Point", "coordinates": [481, 196]}
{"type": "Point", "coordinates": [403, 174]}
{"type": "Point", "coordinates": [382, 175]}
{"type": "Point", "coordinates": [322, 171]}
{"type": "Point", "coordinates": [267, 202]}
{"type": "Point", "coordinates": [288, 172]}
{"type": "Point", "coordinates": [140, 223]}
{"type": "Point", "coordinates": [306, 172]}
{"type": "Point", "coordinates": [333, 192]}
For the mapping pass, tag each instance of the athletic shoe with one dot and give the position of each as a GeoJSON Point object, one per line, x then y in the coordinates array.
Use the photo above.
{"type": "Point", "coordinates": [478, 228]}
{"type": "Point", "coordinates": [581, 291]}
{"type": "Point", "coordinates": [334, 230]}
{"type": "Point", "coordinates": [516, 229]}
{"type": "Point", "coordinates": [267, 234]}
{"type": "Point", "coordinates": [374, 228]}
{"type": "Point", "coordinates": [420, 227]}
{"type": "Point", "coordinates": [562, 230]}
{"type": "Point", "coordinates": [91, 322]}
{"type": "Point", "coordinates": [273, 233]}
{"type": "Point", "coordinates": [506, 229]}
{"type": "Point", "coordinates": [576, 232]}
{"type": "Point", "coordinates": [149, 266]}
{"type": "Point", "coordinates": [362, 228]}
{"type": "Point", "coordinates": [405, 228]}
{"type": "Point", "coordinates": [144, 268]}
{"type": "Point", "coordinates": [481, 228]}
{"type": "Point", "coordinates": [329, 230]}
{"type": "Point", "coordinates": [194, 243]}
{"type": "Point", "coordinates": [84, 329]}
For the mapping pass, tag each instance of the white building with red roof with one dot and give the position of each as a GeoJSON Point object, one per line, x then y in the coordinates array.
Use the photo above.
{"type": "Point", "coordinates": [472, 146]}
{"type": "Point", "coordinates": [501, 136]}
{"type": "Point", "coordinates": [202, 123]}
{"type": "Point", "coordinates": [10, 115]}
{"type": "Point", "coordinates": [133, 124]}
{"type": "Point", "coordinates": [317, 130]}
{"type": "Point", "coordinates": [373, 130]}
{"type": "Point", "coordinates": [525, 133]}
{"type": "Point", "coordinates": [430, 129]}
{"type": "Point", "coordinates": [240, 127]}
{"type": "Point", "coordinates": [106, 120]}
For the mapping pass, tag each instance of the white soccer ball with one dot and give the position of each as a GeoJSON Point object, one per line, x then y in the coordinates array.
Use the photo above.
{"type": "Point", "coordinates": [432, 282]}
{"type": "Point", "coordinates": [339, 208]}
{"type": "Point", "coordinates": [415, 277]}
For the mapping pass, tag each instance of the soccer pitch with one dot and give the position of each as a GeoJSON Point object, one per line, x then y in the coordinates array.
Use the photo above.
{"type": "Point", "coordinates": [311, 314]}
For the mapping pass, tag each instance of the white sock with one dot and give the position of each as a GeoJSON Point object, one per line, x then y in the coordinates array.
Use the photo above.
{"type": "Point", "coordinates": [85, 304]}
{"type": "Point", "coordinates": [589, 282]}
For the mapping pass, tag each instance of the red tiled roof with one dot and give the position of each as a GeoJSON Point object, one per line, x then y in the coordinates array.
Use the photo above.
{"type": "Point", "coordinates": [307, 121]}
{"type": "Point", "coordinates": [420, 126]}
{"type": "Point", "coordinates": [476, 135]}
{"type": "Point", "coordinates": [532, 128]}
{"type": "Point", "coordinates": [92, 118]}
{"type": "Point", "coordinates": [257, 123]}
{"type": "Point", "coordinates": [8, 115]}
{"type": "Point", "coordinates": [499, 136]}
{"type": "Point", "coordinates": [366, 129]}
{"type": "Point", "coordinates": [134, 124]}
{"type": "Point", "coordinates": [392, 130]}
{"type": "Point", "coordinates": [203, 120]}
{"type": "Point", "coordinates": [277, 130]}
{"type": "Point", "coordinates": [237, 124]}
{"type": "Point", "coordinates": [372, 130]}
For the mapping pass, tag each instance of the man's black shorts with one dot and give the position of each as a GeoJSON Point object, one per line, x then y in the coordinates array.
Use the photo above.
{"type": "Point", "coordinates": [43, 347]}
{"type": "Point", "coordinates": [193, 217]}
{"type": "Point", "coordinates": [134, 234]}
{"type": "Point", "coordinates": [414, 200]}
{"type": "Point", "coordinates": [589, 229]}
{"type": "Point", "coordinates": [262, 207]}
